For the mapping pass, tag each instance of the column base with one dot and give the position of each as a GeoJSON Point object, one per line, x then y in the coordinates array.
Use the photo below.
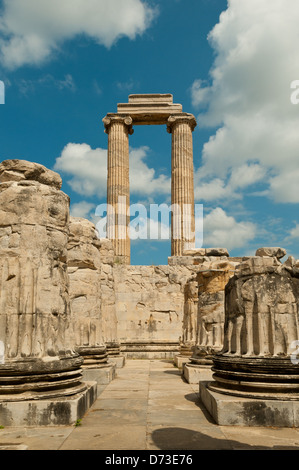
{"type": "Point", "coordinates": [102, 375]}
{"type": "Point", "coordinates": [229, 410]}
{"type": "Point", "coordinates": [62, 411]}
{"type": "Point", "coordinates": [118, 361]}
{"type": "Point", "coordinates": [194, 373]}
{"type": "Point", "coordinates": [180, 360]}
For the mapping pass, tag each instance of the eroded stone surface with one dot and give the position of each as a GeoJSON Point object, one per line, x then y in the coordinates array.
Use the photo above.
{"type": "Point", "coordinates": [84, 270]}
{"type": "Point", "coordinates": [275, 252]}
{"type": "Point", "coordinates": [261, 326]}
{"type": "Point", "coordinates": [20, 170]}
{"type": "Point", "coordinates": [34, 300]}
{"type": "Point", "coordinates": [212, 278]}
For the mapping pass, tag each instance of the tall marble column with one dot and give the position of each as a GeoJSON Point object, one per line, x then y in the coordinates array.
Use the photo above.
{"type": "Point", "coordinates": [181, 127]}
{"type": "Point", "coordinates": [118, 128]}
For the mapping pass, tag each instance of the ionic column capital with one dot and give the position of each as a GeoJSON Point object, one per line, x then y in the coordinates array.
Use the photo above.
{"type": "Point", "coordinates": [126, 120]}
{"type": "Point", "coordinates": [182, 118]}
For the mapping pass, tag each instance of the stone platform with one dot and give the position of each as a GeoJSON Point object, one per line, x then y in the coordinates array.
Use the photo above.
{"type": "Point", "coordinates": [149, 406]}
{"type": "Point", "coordinates": [194, 373]}
{"type": "Point", "coordinates": [102, 375]}
{"type": "Point", "coordinates": [119, 361]}
{"type": "Point", "coordinates": [62, 411]}
{"type": "Point", "coordinates": [180, 360]}
{"type": "Point", "coordinates": [228, 410]}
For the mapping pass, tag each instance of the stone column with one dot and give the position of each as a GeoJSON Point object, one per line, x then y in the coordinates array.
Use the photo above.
{"type": "Point", "coordinates": [181, 127]}
{"type": "Point", "coordinates": [118, 128]}
{"type": "Point", "coordinates": [258, 364]}
{"type": "Point", "coordinates": [108, 303]}
{"type": "Point", "coordinates": [211, 279]}
{"type": "Point", "coordinates": [84, 269]}
{"type": "Point", "coordinates": [39, 362]}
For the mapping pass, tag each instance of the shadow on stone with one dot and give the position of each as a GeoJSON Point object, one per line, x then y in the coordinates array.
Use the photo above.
{"type": "Point", "coordinates": [186, 439]}
{"type": "Point", "coordinates": [173, 372]}
{"type": "Point", "coordinates": [193, 397]}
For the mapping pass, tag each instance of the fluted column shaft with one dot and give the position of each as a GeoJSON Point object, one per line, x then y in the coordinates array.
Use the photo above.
{"type": "Point", "coordinates": [182, 183]}
{"type": "Point", "coordinates": [118, 129]}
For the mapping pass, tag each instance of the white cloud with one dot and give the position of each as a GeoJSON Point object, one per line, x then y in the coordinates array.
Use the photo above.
{"type": "Point", "coordinates": [32, 30]}
{"type": "Point", "coordinates": [82, 209]}
{"type": "Point", "coordinates": [249, 100]}
{"type": "Point", "coordinates": [143, 180]}
{"type": "Point", "coordinates": [28, 86]}
{"type": "Point", "coordinates": [294, 233]}
{"type": "Point", "coordinates": [221, 230]}
{"type": "Point", "coordinates": [87, 168]}
{"type": "Point", "coordinates": [237, 180]}
{"type": "Point", "coordinates": [142, 228]}
{"type": "Point", "coordinates": [284, 186]}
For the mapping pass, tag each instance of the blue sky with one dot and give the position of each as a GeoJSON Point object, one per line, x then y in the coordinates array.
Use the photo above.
{"type": "Point", "coordinates": [67, 63]}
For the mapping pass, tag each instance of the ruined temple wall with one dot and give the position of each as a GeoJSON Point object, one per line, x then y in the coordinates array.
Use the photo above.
{"type": "Point", "coordinates": [150, 303]}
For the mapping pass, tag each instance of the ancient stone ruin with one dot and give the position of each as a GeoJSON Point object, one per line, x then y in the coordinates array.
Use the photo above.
{"type": "Point", "coordinates": [153, 109]}
{"type": "Point", "coordinates": [40, 365]}
{"type": "Point", "coordinates": [73, 309]}
{"type": "Point", "coordinates": [84, 271]}
{"type": "Point", "coordinates": [255, 380]}
{"type": "Point", "coordinates": [212, 278]}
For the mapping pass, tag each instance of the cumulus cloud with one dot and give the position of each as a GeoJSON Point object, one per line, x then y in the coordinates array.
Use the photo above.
{"type": "Point", "coordinates": [222, 230]}
{"type": "Point", "coordinates": [87, 169]}
{"type": "Point", "coordinates": [248, 101]}
{"type": "Point", "coordinates": [31, 30]}
{"type": "Point", "coordinates": [143, 180]}
{"type": "Point", "coordinates": [294, 233]}
{"type": "Point", "coordinates": [231, 187]}
{"type": "Point", "coordinates": [82, 209]}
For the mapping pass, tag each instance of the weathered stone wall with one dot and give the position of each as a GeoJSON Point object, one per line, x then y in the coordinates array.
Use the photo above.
{"type": "Point", "coordinates": [150, 306]}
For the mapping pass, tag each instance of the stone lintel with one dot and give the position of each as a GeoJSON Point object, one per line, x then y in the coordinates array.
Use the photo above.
{"type": "Point", "coordinates": [152, 109]}
{"type": "Point", "coordinates": [149, 113]}
{"type": "Point", "coordinates": [151, 98]}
